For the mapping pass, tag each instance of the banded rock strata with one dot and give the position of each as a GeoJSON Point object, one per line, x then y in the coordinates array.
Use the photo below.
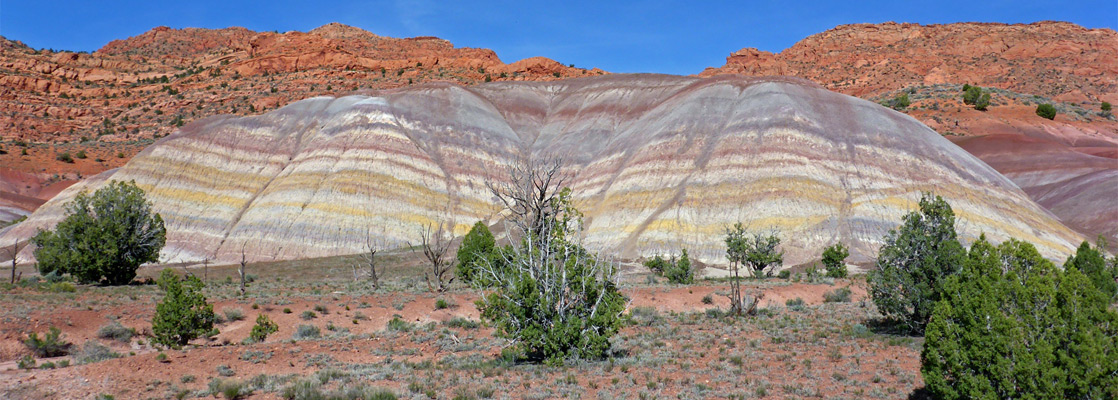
{"type": "Point", "coordinates": [658, 163]}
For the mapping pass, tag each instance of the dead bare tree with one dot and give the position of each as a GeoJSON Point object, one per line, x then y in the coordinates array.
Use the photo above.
{"type": "Point", "coordinates": [13, 251]}
{"type": "Point", "coordinates": [530, 196]}
{"type": "Point", "coordinates": [435, 245]}
{"type": "Point", "coordinates": [206, 270]}
{"type": "Point", "coordinates": [241, 271]}
{"type": "Point", "coordinates": [368, 258]}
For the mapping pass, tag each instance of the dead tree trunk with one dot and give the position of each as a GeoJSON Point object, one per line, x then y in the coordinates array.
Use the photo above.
{"type": "Point", "coordinates": [13, 251]}
{"type": "Point", "coordinates": [241, 271]}
{"type": "Point", "coordinates": [368, 258]}
{"type": "Point", "coordinates": [435, 246]}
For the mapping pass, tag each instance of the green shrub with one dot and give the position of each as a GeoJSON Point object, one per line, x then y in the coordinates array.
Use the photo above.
{"type": "Point", "coordinates": [104, 237]}
{"type": "Point", "coordinates": [915, 259]}
{"type": "Point", "coordinates": [264, 327]}
{"type": "Point", "coordinates": [26, 362]}
{"type": "Point", "coordinates": [657, 265]}
{"type": "Point", "coordinates": [308, 315]}
{"type": "Point", "coordinates": [1105, 106]}
{"type": "Point", "coordinates": [115, 331]}
{"type": "Point", "coordinates": [784, 274]}
{"type": "Point", "coordinates": [795, 304]}
{"type": "Point", "coordinates": [1046, 111]}
{"type": "Point", "coordinates": [303, 332]}
{"type": "Point", "coordinates": [983, 102]}
{"type": "Point", "coordinates": [899, 103]}
{"type": "Point", "coordinates": [708, 299]}
{"type": "Point", "coordinates": [441, 304]}
{"type": "Point", "coordinates": [478, 247]}
{"type": "Point", "coordinates": [840, 295]}
{"type": "Point", "coordinates": [64, 157]}
{"type": "Point", "coordinates": [50, 345]}
{"type": "Point", "coordinates": [530, 303]}
{"type": "Point", "coordinates": [679, 270]}
{"type": "Point", "coordinates": [834, 260]}
{"type": "Point", "coordinates": [183, 314]}
{"type": "Point", "coordinates": [81, 154]}
{"type": "Point", "coordinates": [1092, 263]}
{"type": "Point", "coordinates": [971, 94]}
{"type": "Point", "coordinates": [1013, 325]}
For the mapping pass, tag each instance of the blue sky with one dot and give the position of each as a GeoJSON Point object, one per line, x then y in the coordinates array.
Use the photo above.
{"type": "Point", "coordinates": [678, 37]}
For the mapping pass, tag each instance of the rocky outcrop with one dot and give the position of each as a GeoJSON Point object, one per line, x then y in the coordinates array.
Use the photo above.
{"type": "Point", "coordinates": [1052, 59]}
{"type": "Point", "coordinates": [657, 163]}
{"type": "Point", "coordinates": [141, 84]}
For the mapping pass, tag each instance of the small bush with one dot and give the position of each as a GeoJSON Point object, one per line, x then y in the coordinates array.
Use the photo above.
{"type": "Point", "coordinates": [233, 314]}
{"type": "Point", "coordinates": [303, 332]}
{"type": "Point", "coordinates": [399, 325]}
{"type": "Point", "coordinates": [899, 103]}
{"type": "Point", "coordinates": [834, 260]}
{"type": "Point", "coordinates": [795, 304]}
{"type": "Point", "coordinates": [183, 314]}
{"type": "Point", "coordinates": [64, 157]}
{"type": "Point", "coordinates": [230, 388]}
{"type": "Point", "coordinates": [1046, 111]}
{"type": "Point", "coordinates": [115, 331]}
{"type": "Point", "coordinates": [459, 322]}
{"type": "Point", "coordinates": [308, 315]}
{"type": "Point", "coordinates": [708, 299]}
{"type": "Point", "coordinates": [81, 154]}
{"type": "Point", "coordinates": [1105, 106]}
{"type": "Point", "coordinates": [840, 295]}
{"type": "Point", "coordinates": [264, 327]}
{"type": "Point", "coordinates": [784, 274]}
{"type": "Point", "coordinates": [224, 370]}
{"type": "Point", "coordinates": [50, 345]}
{"type": "Point", "coordinates": [26, 362]}
{"type": "Point", "coordinates": [321, 309]}
{"type": "Point", "coordinates": [441, 304]}
{"type": "Point", "coordinates": [286, 310]}
{"type": "Point", "coordinates": [93, 351]}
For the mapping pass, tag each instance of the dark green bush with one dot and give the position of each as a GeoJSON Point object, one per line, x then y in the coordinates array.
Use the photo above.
{"type": "Point", "coordinates": [1012, 325]}
{"type": "Point", "coordinates": [50, 345]}
{"type": "Point", "coordinates": [983, 102]}
{"type": "Point", "coordinates": [264, 327]}
{"type": "Point", "coordinates": [1105, 106]}
{"type": "Point", "coordinates": [477, 247]}
{"type": "Point", "coordinates": [914, 261]}
{"type": "Point", "coordinates": [1092, 263]}
{"type": "Point", "coordinates": [971, 94]}
{"type": "Point", "coordinates": [183, 314]}
{"type": "Point", "coordinates": [676, 270]}
{"type": "Point", "coordinates": [104, 237]}
{"type": "Point", "coordinates": [1046, 111]}
{"type": "Point", "coordinates": [899, 103]}
{"type": "Point", "coordinates": [64, 157]}
{"type": "Point", "coordinates": [834, 260]}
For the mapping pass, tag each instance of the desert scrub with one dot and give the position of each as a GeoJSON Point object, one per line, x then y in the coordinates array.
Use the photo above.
{"type": "Point", "coordinates": [50, 345]}
{"type": "Point", "coordinates": [115, 331]}
{"type": "Point", "coordinates": [840, 295]}
{"type": "Point", "coordinates": [308, 315]}
{"type": "Point", "coordinates": [303, 332]}
{"type": "Point", "coordinates": [233, 314]}
{"type": "Point", "coordinates": [93, 351]}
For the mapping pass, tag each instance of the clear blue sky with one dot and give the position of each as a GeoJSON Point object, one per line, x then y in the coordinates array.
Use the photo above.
{"type": "Point", "coordinates": [678, 37]}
